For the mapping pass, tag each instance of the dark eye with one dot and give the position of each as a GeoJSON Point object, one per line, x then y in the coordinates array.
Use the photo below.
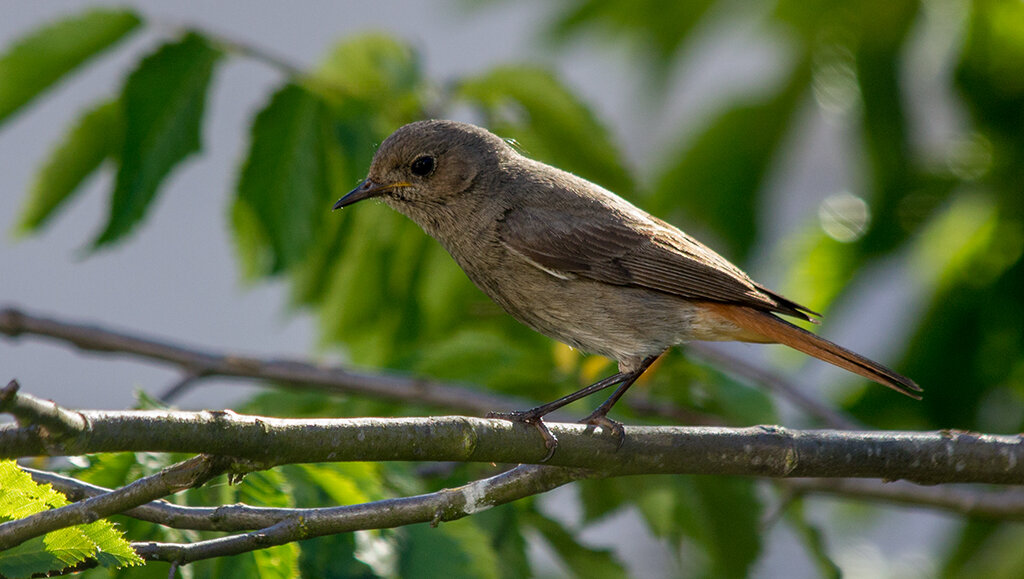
{"type": "Point", "coordinates": [422, 166]}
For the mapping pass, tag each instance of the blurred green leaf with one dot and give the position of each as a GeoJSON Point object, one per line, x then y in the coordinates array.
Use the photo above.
{"type": "Point", "coordinates": [504, 526]}
{"type": "Point", "coordinates": [988, 74]}
{"type": "Point", "coordinates": [973, 333]}
{"type": "Point", "coordinates": [721, 514]}
{"type": "Point", "coordinates": [361, 554]}
{"type": "Point", "coordinates": [374, 68]}
{"type": "Point", "coordinates": [95, 137]}
{"type": "Point", "coordinates": [163, 101]}
{"type": "Point", "coordinates": [470, 353]}
{"type": "Point", "coordinates": [661, 26]}
{"type": "Point", "coordinates": [34, 62]}
{"type": "Point", "coordinates": [714, 178]}
{"type": "Point", "coordinates": [454, 549]}
{"type": "Point", "coordinates": [813, 539]}
{"type": "Point", "coordinates": [989, 550]}
{"type": "Point", "coordinates": [581, 560]}
{"type": "Point", "coordinates": [347, 483]}
{"type": "Point", "coordinates": [708, 389]}
{"type": "Point", "coordinates": [887, 137]}
{"type": "Point", "coordinates": [970, 541]}
{"type": "Point", "coordinates": [283, 197]}
{"type": "Point", "coordinates": [549, 122]}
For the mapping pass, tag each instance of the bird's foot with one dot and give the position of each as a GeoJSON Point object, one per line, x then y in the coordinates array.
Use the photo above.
{"type": "Point", "coordinates": [601, 420]}
{"type": "Point", "coordinates": [530, 417]}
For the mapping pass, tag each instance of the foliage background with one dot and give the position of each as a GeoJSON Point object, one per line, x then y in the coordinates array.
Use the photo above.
{"type": "Point", "coordinates": [862, 157]}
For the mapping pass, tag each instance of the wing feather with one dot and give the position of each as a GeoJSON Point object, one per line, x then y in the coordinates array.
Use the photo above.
{"type": "Point", "coordinates": [634, 249]}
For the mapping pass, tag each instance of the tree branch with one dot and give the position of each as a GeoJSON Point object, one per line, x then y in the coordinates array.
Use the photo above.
{"type": "Point", "coordinates": [1007, 504]}
{"type": "Point", "coordinates": [444, 505]}
{"type": "Point", "coordinates": [196, 363]}
{"type": "Point", "coordinates": [187, 474]}
{"type": "Point", "coordinates": [927, 457]}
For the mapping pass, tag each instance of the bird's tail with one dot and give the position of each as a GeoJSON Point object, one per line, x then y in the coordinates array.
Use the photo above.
{"type": "Point", "coordinates": [783, 332]}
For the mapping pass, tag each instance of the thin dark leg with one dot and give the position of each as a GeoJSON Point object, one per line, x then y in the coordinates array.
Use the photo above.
{"type": "Point", "coordinates": [597, 418]}
{"type": "Point", "coordinates": [600, 418]}
{"type": "Point", "coordinates": [533, 416]}
{"type": "Point", "coordinates": [545, 409]}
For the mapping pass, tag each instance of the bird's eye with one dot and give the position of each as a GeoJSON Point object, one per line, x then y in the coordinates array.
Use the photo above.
{"type": "Point", "coordinates": [422, 166]}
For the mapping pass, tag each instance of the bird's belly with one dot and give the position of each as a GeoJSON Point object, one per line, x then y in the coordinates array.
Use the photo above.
{"type": "Point", "coordinates": [624, 323]}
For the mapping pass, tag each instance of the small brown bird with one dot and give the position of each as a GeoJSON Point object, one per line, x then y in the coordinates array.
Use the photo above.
{"type": "Point", "coordinates": [577, 263]}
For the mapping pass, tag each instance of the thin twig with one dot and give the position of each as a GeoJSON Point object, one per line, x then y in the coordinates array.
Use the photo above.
{"type": "Point", "coordinates": [187, 474]}
{"type": "Point", "coordinates": [196, 363]}
{"type": "Point", "coordinates": [441, 506]}
{"type": "Point", "coordinates": [1006, 504]}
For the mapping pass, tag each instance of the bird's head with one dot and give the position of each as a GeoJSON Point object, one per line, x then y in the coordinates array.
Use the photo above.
{"type": "Point", "coordinates": [428, 162]}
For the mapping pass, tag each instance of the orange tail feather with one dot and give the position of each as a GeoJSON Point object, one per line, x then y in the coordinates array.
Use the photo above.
{"type": "Point", "coordinates": [783, 332]}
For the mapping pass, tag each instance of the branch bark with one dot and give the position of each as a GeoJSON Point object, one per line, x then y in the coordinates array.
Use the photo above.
{"type": "Point", "coordinates": [196, 363]}
{"type": "Point", "coordinates": [187, 474]}
{"type": "Point", "coordinates": [1004, 505]}
{"type": "Point", "coordinates": [441, 506]}
{"type": "Point", "coordinates": [772, 451]}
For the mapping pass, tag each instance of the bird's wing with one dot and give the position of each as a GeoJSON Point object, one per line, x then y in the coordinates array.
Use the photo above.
{"type": "Point", "coordinates": [634, 249]}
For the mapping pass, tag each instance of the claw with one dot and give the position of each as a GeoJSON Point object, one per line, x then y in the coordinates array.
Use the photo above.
{"type": "Point", "coordinates": [529, 417]}
{"type": "Point", "coordinates": [613, 427]}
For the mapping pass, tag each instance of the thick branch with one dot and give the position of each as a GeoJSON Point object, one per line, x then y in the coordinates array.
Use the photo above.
{"type": "Point", "coordinates": [931, 457]}
{"type": "Point", "coordinates": [187, 474]}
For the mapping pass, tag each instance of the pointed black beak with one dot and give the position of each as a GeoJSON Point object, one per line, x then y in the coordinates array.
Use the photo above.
{"type": "Point", "coordinates": [366, 190]}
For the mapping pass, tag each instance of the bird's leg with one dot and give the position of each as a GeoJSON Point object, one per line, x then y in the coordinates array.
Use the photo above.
{"type": "Point", "coordinates": [534, 415]}
{"type": "Point", "coordinates": [600, 418]}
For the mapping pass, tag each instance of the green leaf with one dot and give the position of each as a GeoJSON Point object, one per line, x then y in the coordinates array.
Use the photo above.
{"type": "Point", "coordinates": [661, 26]}
{"type": "Point", "coordinates": [455, 549]}
{"type": "Point", "coordinates": [20, 497]}
{"type": "Point", "coordinates": [279, 562]}
{"type": "Point", "coordinates": [582, 561]}
{"type": "Point", "coordinates": [375, 68]}
{"type": "Point", "coordinates": [371, 84]}
{"type": "Point", "coordinates": [347, 483]}
{"type": "Point", "coordinates": [504, 525]}
{"type": "Point", "coordinates": [718, 514]}
{"type": "Point", "coordinates": [813, 539]}
{"type": "Point", "coordinates": [163, 103]}
{"type": "Point", "coordinates": [988, 79]}
{"type": "Point", "coordinates": [549, 122]}
{"type": "Point", "coordinates": [715, 177]}
{"type": "Point", "coordinates": [36, 61]}
{"type": "Point", "coordinates": [970, 544]}
{"type": "Point", "coordinates": [56, 551]}
{"type": "Point", "coordinates": [95, 137]}
{"type": "Point", "coordinates": [283, 198]}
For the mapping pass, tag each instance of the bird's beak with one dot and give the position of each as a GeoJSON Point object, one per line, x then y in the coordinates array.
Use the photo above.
{"type": "Point", "coordinates": [366, 190]}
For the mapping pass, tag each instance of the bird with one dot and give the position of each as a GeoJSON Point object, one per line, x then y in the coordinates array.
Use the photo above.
{"type": "Point", "coordinates": [580, 264]}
